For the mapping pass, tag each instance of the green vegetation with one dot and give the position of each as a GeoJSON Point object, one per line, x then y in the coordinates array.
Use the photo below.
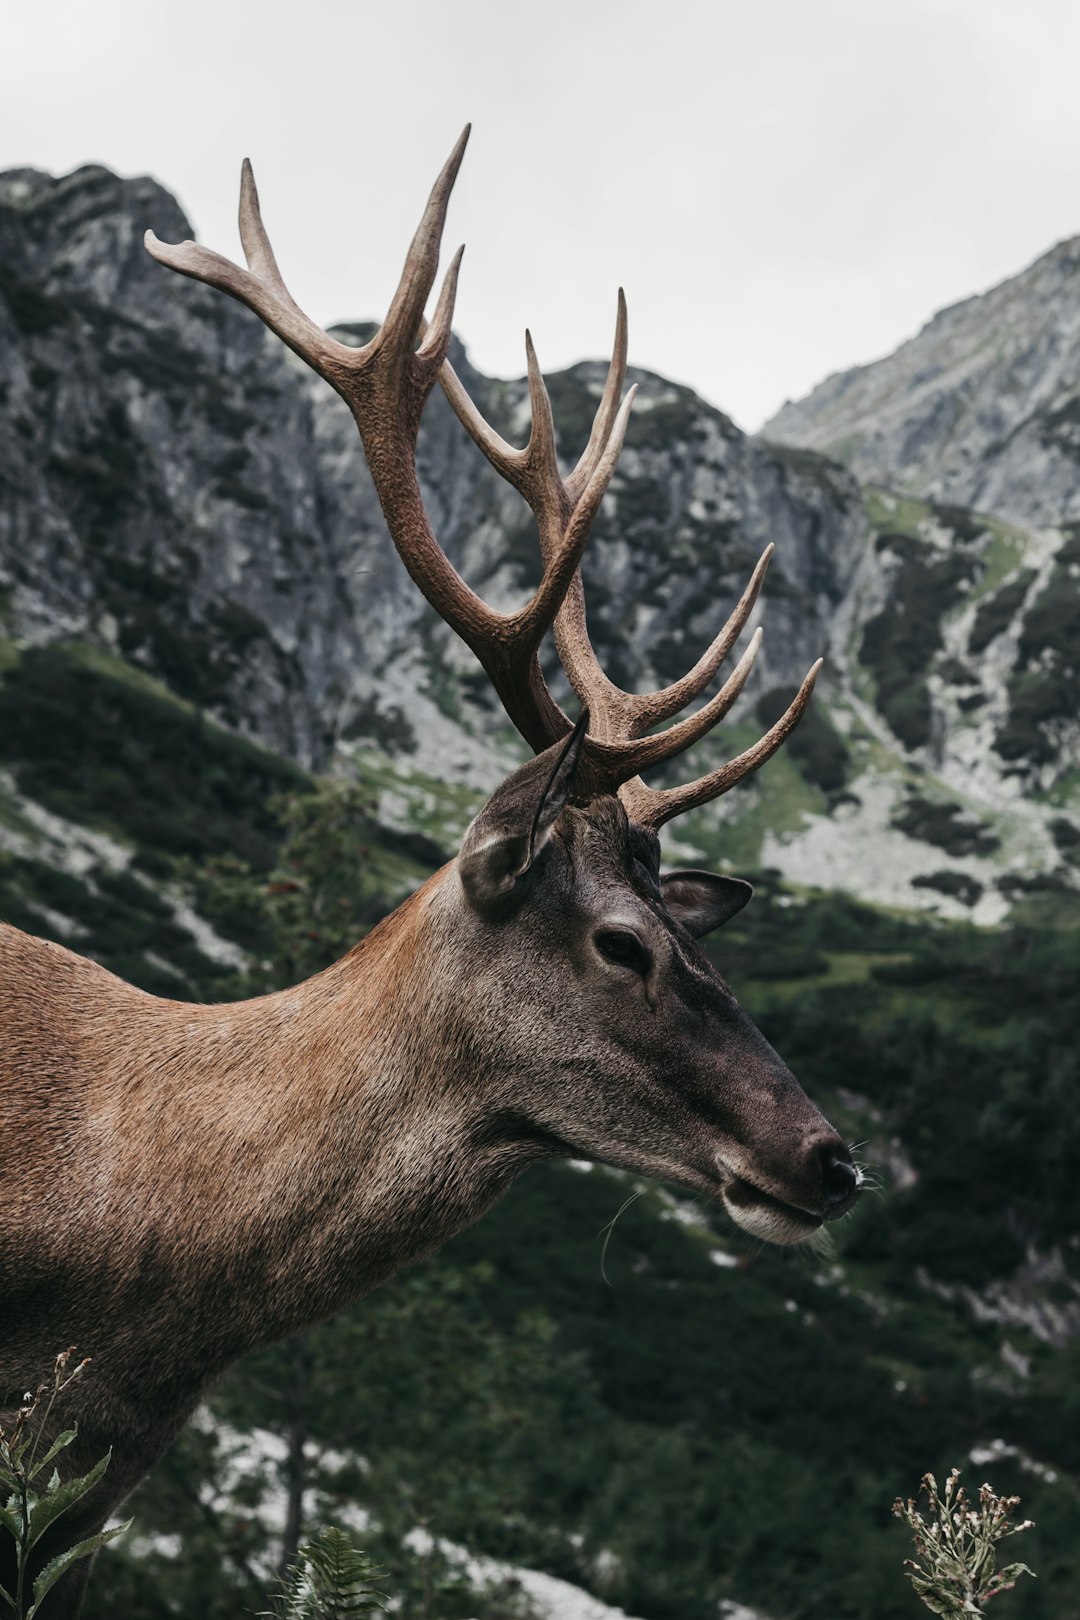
{"type": "Point", "coordinates": [97, 746]}
{"type": "Point", "coordinates": [816, 746]}
{"type": "Point", "coordinates": [961, 885]}
{"type": "Point", "coordinates": [1043, 689]}
{"type": "Point", "coordinates": [325, 893]}
{"type": "Point", "coordinates": [720, 1421]}
{"type": "Point", "coordinates": [330, 1580]}
{"type": "Point", "coordinates": [928, 581]}
{"type": "Point", "coordinates": [899, 643]}
{"type": "Point", "coordinates": [788, 789]}
{"type": "Point", "coordinates": [942, 822]}
{"type": "Point", "coordinates": [995, 613]}
{"type": "Point", "coordinates": [116, 914]}
{"type": "Point", "coordinates": [199, 810]}
{"type": "Point", "coordinates": [887, 509]}
{"type": "Point", "coordinates": [34, 1498]}
{"type": "Point", "coordinates": [1000, 553]}
{"type": "Point", "coordinates": [438, 812]}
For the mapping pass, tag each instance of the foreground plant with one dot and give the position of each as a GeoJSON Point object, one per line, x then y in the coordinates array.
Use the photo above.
{"type": "Point", "coordinates": [955, 1573]}
{"type": "Point", "coordinates": [31, 1501]}
{"type": "Point", "coordinates": [330, 1579]}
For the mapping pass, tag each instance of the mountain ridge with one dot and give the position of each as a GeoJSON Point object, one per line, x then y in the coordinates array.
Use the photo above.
{"type": "Point", "coordinates": [182, 493]}
{"type": "Point", "coordinates": [974, 409]}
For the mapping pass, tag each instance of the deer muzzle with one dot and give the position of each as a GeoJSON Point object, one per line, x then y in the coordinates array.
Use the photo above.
{"type": "Point", "coordinates": [787, 1209]}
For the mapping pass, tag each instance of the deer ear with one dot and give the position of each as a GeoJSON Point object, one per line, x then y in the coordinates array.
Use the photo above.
{"type": "Point", "coordinates": [702, 901]}
{"type": "Point", "coordinates": [502, 843]}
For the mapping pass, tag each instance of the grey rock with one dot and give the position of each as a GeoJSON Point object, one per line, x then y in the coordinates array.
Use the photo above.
{"type": "Point", "coordinates": [980, 409]}
{"type": "Point", "coordinates": [179, 485]}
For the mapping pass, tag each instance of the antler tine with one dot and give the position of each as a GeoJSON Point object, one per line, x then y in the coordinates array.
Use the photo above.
{"type": "Point", "coordinates": [646, 751]}
{"type": "Point", "coordinates": [594, 689]}
{"type": "Point", "coordinates": [561, 561]}
{"type": "Point", "coordinates": [541, 457]}
{"type": "Point", "coordinates": [558, 503]}
{"type": "Point", "coordinates": [422, 260]}
{"type": "Point", "coordinates": [549, 495]}
{"type": "Point", "coordinates": [655, 707]}
{"type": "Point", "coordinates": [436, 337]}
{"type": "Point", "coordinates": [260, 287]}
{"type": "Point", "coordinates": [513, 464]}
{"type": "Point", "coordinates": [652, 807]}
{"type": "Point", "coordinates": [253, 238]}
{"type": "Point", "coordinates": [609, 404]}
{"type": "Point", "coordinates": [563, 508]}
{"type": "Point", "coordinates": [618, 757]}
{"type": "Point", "coordinates": [505, 458]}
{"type": "Point", "coordinates": [618, 716]}
{"type": "Point", "coordinates": [625, 716]}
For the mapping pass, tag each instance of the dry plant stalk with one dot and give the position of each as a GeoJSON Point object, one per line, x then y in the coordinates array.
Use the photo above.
{"type": "Point", "coordinates": [955, 1572]}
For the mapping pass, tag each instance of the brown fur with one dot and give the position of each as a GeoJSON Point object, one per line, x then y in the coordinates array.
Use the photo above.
{"type": "Point", "coordinates": [180, 1183]}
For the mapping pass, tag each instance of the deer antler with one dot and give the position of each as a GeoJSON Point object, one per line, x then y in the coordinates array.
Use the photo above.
{"type": "Point", "coordinates": [386, 384]}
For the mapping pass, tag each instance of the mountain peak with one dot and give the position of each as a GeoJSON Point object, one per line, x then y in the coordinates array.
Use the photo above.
{"type": "Point", "coordinates": [976, 409]}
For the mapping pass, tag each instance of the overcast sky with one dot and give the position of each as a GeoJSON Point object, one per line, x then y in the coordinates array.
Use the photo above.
{"type": "Point", "coordinates": [785, 187]}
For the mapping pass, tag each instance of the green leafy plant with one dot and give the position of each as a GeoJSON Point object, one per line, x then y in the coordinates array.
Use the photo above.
{"type": "Point", "coordinates": [955, 1573]}
{"type": "Point", "coordinates": [330, 1579]}
{"type": "Point", "coordinates": [33, 1499]}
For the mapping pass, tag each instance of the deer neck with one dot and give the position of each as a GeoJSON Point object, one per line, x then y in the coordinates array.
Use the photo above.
{"type": "Point", "coordinates": [343, 1129]}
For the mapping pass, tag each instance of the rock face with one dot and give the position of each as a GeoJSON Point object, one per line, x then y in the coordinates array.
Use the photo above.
{"type": "Point", "coordinates": [181, 487]}
{"type": "Point", "coordinates": [180, 492]}
{"type": "Point", "coordinates": [981, 409]}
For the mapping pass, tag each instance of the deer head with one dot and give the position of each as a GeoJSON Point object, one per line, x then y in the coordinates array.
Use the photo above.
{"type": "Point", "coordinates": [594, 1026]}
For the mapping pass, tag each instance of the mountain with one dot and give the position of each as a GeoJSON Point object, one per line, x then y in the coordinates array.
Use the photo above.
{"type": "Point", "coordinates": [977, 415]}
{"type": "Point", "coordinates": [181, 488]}
{"type": "Point", "coordinates": [980, 409]}
{"type": "Point", "coordinates": [183, 496]}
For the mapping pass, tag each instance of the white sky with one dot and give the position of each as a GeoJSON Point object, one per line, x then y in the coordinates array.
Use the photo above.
{"type": "Point", "coordinates": [785, 189]}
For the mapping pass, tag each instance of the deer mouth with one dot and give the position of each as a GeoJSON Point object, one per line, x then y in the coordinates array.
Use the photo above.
{"type": "Point", "coordinates": [764, 1215]}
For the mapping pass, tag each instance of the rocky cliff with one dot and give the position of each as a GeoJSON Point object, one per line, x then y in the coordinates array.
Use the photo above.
{"type": "Point", "coordinates": [981, 408]}
{"type": "Point", "coordinates": [181, 487]}
{"type": "Point", "coordinates": [181, 493]}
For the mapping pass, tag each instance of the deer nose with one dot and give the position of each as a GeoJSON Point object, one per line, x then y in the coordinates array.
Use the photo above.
{"type": "Point", "coordinates": [840, 1183]}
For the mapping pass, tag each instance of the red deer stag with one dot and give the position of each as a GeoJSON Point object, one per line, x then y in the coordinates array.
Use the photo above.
{"type": "Point", "coordinates": [183, 1183]}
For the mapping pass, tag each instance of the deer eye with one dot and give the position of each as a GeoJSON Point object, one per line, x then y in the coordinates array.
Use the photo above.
{"type": "Point", "coordinates": [618, 945]}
